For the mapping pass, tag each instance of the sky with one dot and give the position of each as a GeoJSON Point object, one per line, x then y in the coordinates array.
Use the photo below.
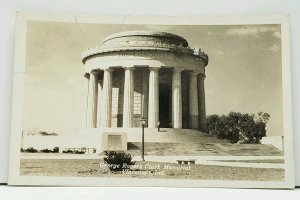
{"type": "Point", "coordinates": [243, 74]}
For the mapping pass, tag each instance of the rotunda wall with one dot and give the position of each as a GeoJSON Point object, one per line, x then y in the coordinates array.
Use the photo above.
{"type": "Point", "coordinates": [144, 58]}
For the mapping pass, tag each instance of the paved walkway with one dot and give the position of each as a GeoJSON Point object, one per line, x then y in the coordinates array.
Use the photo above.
{"type": "Point", "coordinates": [219, 160]}
{"type": "Point", "coordinates": [204, 160]}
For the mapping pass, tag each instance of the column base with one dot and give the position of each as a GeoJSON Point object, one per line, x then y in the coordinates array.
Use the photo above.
{"type": "Point", "coordinates": [194, 121]}
{"type": "Point", "coordinates": [202, 127]}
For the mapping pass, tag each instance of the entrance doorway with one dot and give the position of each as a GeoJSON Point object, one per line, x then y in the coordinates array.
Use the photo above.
{"type": "Point", "coordinates": [164, 106]}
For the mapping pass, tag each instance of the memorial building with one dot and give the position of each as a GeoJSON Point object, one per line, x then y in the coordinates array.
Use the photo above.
{"type": "Point", "coordinates": [145, 74]}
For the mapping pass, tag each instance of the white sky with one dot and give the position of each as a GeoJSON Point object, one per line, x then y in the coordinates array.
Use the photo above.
{"type": "Point", "coordinates": [243, 74]}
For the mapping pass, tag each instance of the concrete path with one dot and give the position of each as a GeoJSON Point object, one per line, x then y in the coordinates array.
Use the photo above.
{"type": "Point", "coordinates": [219, 160]}
{"type": "Point", "coordinates": [204, 160]}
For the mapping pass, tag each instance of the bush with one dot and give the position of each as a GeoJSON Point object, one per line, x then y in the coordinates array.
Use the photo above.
{"type": "Point", "coordinates": [237, 127]}
{"type": "Point", "coordinates": [71, 151]}
{"type": "Point", "coordinates": [44, 133]}
{"type": "Point", "coordinates": [55, 150]}
{"type": "Point", "coordinates": [30, 150]}
{"type": "Point", "coordinates": [46, 151]}
{"type": "Point", "coordinates": [68, 151]}
{"type": "Point", "coordinates": [115, 160]}
{"type": "Point", "coordinates": [79, 152]}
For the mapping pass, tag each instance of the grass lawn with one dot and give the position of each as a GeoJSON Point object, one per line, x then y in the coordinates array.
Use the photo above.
{"type": "Point", "coordinates": [93, 168]}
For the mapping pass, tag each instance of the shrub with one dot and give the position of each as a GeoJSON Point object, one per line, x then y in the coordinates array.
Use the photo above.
{"type": "Point", "coordinates": [55, 150]}
{"type": "Point", "coordinates": [75, 151]}
{"type": "Point", "coordinates": [44, 133]}
{"type": "Point", "coordinates": [237, 127]}
{"type": "Point", "coordinates": [68, 151]}
{"type": "Point", "coordinates": [115, 160]}
{"type": "Point", "coordinates": [30, 150]}
{"type": "Point", "coordinates": [79, 152]}
{"type": "Point", "coordinates": [46, 151]}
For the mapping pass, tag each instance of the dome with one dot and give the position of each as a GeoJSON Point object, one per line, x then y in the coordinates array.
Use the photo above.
{"type": "Point", "coordinates": [137, 36]}
{"type": "Point", "coordinates": [130, 41]}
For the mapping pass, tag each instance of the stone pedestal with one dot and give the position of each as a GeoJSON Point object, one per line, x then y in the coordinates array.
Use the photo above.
{"type": "Point", "coordinates": [114, 141]}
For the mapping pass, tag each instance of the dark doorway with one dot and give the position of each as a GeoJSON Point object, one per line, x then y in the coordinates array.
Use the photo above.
{"type": "Point", "coordinates": [164, 105]}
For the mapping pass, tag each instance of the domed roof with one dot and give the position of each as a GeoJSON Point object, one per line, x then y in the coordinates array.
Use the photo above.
{"type": "Point", "coordinates": [148, 36]}
{"type": "Point", "coordinates": [143, 41]}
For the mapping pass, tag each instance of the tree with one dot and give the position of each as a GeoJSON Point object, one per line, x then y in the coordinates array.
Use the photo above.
{"type": "Point", "coordinates": [238, 127]}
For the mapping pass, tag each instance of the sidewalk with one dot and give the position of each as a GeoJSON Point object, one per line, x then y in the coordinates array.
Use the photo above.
{"type": "Point", "coordinates": [232, 161]}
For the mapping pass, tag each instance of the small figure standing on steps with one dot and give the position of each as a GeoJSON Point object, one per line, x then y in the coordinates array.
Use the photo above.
{"type": "Point", "coordinates": [158, 126]}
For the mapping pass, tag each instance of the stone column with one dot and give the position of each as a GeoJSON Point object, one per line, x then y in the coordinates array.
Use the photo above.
{"type": "Point", "coordinates": [201, 103]}
{"type": "Point", "coordinates": [153, 103]}
{"type": "Point", "coordinates": [100, 87]}
{"type": "Point", "coordinates": [193, 101]}
{"type": "Point", "coordinates": [176, 99]}
{"type": "Point", "coordinates": [128, 97]}
{"type": "Point", "coordinates": [86, 99]}
{"type": "Point", "coordinates": [106, 99]}
{"type": "Point", "coordinates": [93, 100]}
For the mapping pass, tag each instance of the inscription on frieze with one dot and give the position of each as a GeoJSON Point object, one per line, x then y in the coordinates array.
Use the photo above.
{"type": "Point", "coordinates": [144, 54]}
{"type": "Point", "coordinates": [148, 54]}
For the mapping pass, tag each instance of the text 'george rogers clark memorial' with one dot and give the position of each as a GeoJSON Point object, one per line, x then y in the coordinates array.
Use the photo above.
{"type": "Point", "coordinates": [143, 74]}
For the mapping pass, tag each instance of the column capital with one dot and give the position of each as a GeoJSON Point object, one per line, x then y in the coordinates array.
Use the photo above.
{"type": "Point", "coordinates": [154, 68]}
{"type": "Point", "coordinates": [86, 75]}
{"type": "Point", "coordinates": [195, 73]}
{"type": "Point", "coordinates": [128, 67]}
{"type": "Point", "coordinates": [202, 76]}
{"type": "Point", "coordinates": [95, 72]}
{"type": "Point", "coordinates": [108, 69]}
{"type": "Point", "coordinates": [177, 69]}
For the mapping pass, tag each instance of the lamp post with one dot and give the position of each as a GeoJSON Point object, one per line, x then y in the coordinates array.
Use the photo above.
{"type": "Point", "coordinates": [143, 122]}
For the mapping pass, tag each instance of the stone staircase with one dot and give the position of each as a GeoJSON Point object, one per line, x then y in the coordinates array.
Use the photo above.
{"type": "Point", "coordinates": [188, 142]}
{"type": "Point", "coordinates": [170, 135]}
{"type": "Point", "coordinates": [201, 149]}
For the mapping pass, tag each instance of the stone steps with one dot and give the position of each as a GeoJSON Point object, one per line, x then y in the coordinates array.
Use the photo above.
{"type": "Point", "coordinates": [165, 135]}
{"type": "Point", "coordinates": [170, 135]}
{"type": "Point", "coordinates": [200, 149]}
